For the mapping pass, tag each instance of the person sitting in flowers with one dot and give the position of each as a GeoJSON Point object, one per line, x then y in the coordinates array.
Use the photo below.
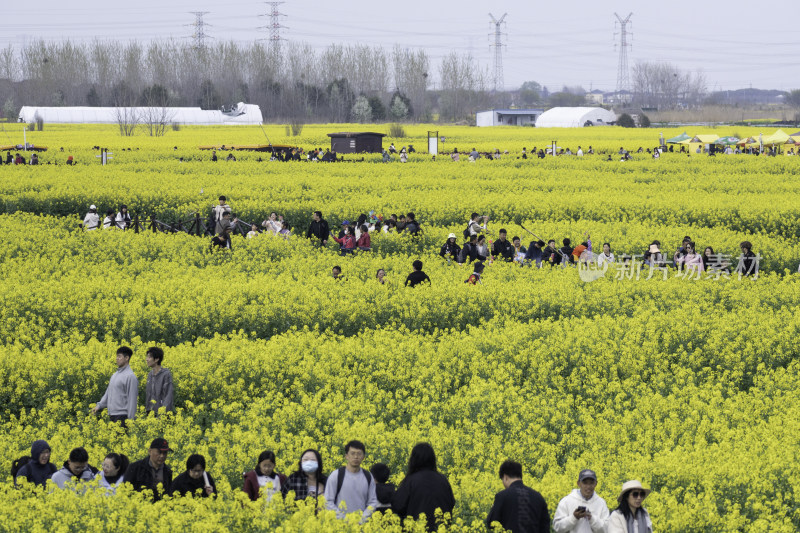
{"type": "Point", "coordinates": [113, 473]}
{"type": "Point", "coordinates": [308, 481]}
{"type": "Point", "coordinates": [76, 468]}
{"type": "Point", "coordinates": [37, 468]}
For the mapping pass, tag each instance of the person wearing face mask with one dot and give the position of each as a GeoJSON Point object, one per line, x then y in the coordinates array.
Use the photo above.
{"type": "Point", "coordinates": [264, 477]}
{"type": "Point", "coordinates": [195, 480]}
{"type": "Point", "coordinates": [630, 516]}
{"type": "Point", "coordinates": [113, 472]}
{"type": "Point", "coordinates": [37, 469]}
{"type": "Point", "coordinates": [308, 481]}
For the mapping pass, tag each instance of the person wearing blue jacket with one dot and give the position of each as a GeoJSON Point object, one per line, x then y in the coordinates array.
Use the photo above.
{"type": "Point", "coordinates": [39, 468]}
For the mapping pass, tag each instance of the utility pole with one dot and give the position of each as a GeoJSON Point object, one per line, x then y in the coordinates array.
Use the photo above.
{"type": "Point", "coordinates": [623, 73]}
{"type": "Point", "coordinates": [498, 52]}
{"type": "Point", "coordinates": [199, 34]}
{"type": "Point", "coordinates": [274, 25]}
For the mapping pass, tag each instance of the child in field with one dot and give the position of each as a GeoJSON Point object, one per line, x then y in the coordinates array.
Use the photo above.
{"type": "Point", "coordinates": [383, 489]}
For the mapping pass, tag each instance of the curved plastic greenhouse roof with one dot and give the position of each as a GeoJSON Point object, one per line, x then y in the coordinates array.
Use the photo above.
{"type": "Point", "coordinates": [240, 114]}
{"type": "Point", "coordinates": [575, 117]}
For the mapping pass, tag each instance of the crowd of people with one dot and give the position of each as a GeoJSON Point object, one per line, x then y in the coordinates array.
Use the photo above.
{"type": "Point", "coordinates": [350, 488]}
{"type": "Point", "coordinates": [478, 247]}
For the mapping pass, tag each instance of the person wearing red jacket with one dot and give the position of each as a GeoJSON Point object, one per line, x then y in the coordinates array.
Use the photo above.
{"type": "Point", "coordinates": [347, 242]}
{"type": "Point", "coordinates": [264, 477]}
{"type": "Point", "coordinates": [364, 242]}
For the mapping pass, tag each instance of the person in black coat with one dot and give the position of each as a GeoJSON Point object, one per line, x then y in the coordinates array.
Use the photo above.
{"type": "Point", "coordinates": [518, 508]}
{"type": "Point", "coordinates": [502, 247]}
{"type": "Point", "coordinates": [319, 228]}
{"type": "Point", "coordinates": [424, 489]}
{"type": "Point", "coordinates": [194, 479]}
{"type": "Point", "coordinates": [450, 249]}
{"type": "Point", "coordinates": [152, 470]}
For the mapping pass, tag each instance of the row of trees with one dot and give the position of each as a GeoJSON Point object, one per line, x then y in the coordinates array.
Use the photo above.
{"type": "Point", "coordinates": [292, 82]}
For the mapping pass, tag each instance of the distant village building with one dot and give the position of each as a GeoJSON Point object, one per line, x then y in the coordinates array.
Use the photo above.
{"type": "Point", "coordinates": [507, 117]}
{"type": "Point", "coordinates": [595, 97]}
{"type": "Point", "coordinates": [575, 117]}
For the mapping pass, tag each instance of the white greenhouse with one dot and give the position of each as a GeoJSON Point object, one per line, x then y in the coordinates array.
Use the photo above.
{"type": "Point", "coordinates": [575, 117]}
{"type": "Point", "coordinates": [241, 114]}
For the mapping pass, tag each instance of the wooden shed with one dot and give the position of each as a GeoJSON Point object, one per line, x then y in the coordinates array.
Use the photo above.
{"type": "Point", "coordinates": [347, 142]}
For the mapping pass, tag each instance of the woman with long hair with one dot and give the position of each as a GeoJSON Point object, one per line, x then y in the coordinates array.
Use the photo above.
{"type": "Point", "coordinates": [424, 489]}
{"type": "Point", "coordinates": [630, 516]}
{"type": "Point", "coordinates": [264, 477]}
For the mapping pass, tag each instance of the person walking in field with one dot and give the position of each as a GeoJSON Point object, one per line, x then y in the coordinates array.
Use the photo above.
{"type": "Point", "coordinates": [424, 490]}
{"type": "Point", "coordinates": [450, 249]}
{"type": "Point", "coordinates": [417, 276]}
{"type": "Point", "coordinates": [351, 484]}
{"type": "Point", "coordinates": [218, 213]}
{"type": "Point", "coordinates": [263, 479]}
{"type": "Point", "coordinates": [309, 480]}
{"type": "Point", "coordinates": [318, 228]}
{"type": "Point", "coordinates": [159, 390]}
{"type": "Point", "coordinates": [122, 393]}
{"type": "Point", "coordinates": [152, 471]}
{"type": "Point", "coordinates": [582, 510]}
{"type": "Point", "coordinates": [92, 220]}
{"type": "Point", "coordinates": [76, 468]}
{"type": "Point", "coordinates": [630, 516]}
{"type": "Point", "coordinates": [37, 468]}
{"type": "Point", "coordinates": [518, 508]}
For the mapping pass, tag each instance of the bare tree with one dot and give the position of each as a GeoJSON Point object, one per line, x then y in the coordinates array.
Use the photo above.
{"type": "Point", "coordinates": [665, 86]}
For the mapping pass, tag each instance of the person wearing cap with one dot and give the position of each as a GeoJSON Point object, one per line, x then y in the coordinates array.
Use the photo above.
{"type": "Point", "coordinates": [582, 510]}
{"type": "Point", "coordinates": [152, 471]}
{"type": "Point", "coordinates": [92, 219]}
{"type": "Point", "coordinates": [122, 393]}
{"type": "Point", "coordinates": [450, 249]}
{"type": "Point", "coordinates": [630, 516]}
{"type": "Point", "coordinates": [518, 508]}
{"type": "Point", "coordinates": [38, 469]}
{"type": "Point", "coordinates": [653, 256]}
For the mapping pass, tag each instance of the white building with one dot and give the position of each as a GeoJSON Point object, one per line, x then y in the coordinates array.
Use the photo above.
{"type": "Point", "coordinates": [241, 113]}
{"type": "Point", "coordinates": [575, 117]}
{"type": "Point", "coordinates": [507, 117]}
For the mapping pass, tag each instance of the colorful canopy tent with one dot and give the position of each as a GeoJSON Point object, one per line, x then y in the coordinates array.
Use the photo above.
{"type": "Point", "coordinates": [679, 139]}
{"type": "Point", "coordinates": [745, 142]}
{"type": "Point", "coordinates": [779, 137]}
{"type": "Point", "coordinates": [727, 141]}
{"type": "Point", "coordinates": [700, 141]}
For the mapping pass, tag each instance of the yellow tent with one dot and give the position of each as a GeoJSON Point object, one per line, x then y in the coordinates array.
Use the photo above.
{"type": "Point", "coordinates": [779, 137]}
{"type": "Point", "coordinates": [700, 141]}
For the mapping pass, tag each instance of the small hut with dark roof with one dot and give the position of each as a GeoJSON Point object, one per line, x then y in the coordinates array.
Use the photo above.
{"type": "Point", "coordinates": [354, 142]}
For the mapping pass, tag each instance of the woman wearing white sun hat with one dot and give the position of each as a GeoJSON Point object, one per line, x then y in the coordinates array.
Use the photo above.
{"type": "Point", "coordinates": [630, 516]}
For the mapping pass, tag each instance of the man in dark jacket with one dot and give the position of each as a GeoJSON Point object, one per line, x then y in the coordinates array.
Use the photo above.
{"type": "Point", "coordinates": [566, 253]}
{"type": "Point", "coordinates": [39, 468]}
{"type": "Point", "coordinates": [318, 228]}
{"type": "Point", "coordinates": [151, 471]}
{"type": "Point", "coordinates": [469, 252]}
{"type": "Point", "coordinates": [550, 254]}
{"type": "Point", "coordinates": [502, 247]}
{"type": "Point", "coordinates": [535, 254]}
{"type": "Point", "coordinates": [518, 508]}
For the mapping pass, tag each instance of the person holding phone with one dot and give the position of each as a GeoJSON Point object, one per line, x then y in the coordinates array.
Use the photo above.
{"type": "Point", "coordinates": [630, 516]}
{"type": "Point", "coordinates": [582, 510]}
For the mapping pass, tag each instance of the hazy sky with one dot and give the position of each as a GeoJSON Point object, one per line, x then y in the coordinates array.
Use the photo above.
{"type": "Point", "coordinates": [736, 43]}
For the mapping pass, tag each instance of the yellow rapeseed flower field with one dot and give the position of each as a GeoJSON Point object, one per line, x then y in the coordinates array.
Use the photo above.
{"type": "Point", "coordinates": [688, 385]}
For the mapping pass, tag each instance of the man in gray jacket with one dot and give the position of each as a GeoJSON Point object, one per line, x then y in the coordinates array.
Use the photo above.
{"type": "Point", "coordinates": [159, 391]}
{"type": "Point", "coordinates": [122, 393]}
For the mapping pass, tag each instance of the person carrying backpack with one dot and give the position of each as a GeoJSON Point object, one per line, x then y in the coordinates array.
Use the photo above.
{"type": "Point", "coordinates": [351, 484]}
{"type": "Point", "coordinates": [37, 468]}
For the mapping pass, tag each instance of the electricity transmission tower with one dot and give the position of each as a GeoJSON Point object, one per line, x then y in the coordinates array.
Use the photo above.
{"type": "Point", "coordinates": [274, 25]}
{"type": "Point", "coordinates": [199, 34]}
{"type": "Point", "coordinates": [498, 52]}
{"type": "Point", "coordinates": [623, 73]}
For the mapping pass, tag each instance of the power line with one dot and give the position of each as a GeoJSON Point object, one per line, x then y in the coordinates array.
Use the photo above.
{"type": "Point", "coordinates": [498, 52]}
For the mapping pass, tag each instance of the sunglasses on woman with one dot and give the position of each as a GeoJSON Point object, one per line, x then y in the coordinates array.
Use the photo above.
{"type": "Point", "coordinates": [637, 494]}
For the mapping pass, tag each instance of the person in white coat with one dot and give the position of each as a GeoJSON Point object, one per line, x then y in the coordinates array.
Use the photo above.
{"type": "Point", "coordinates": [92, 219]}
{"type": "Point", "coordinates": [113, 473]}
{"type": "Point", "coordinates": [630, 516]}
{"type": "Point", "coordinates": [582, 510]}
